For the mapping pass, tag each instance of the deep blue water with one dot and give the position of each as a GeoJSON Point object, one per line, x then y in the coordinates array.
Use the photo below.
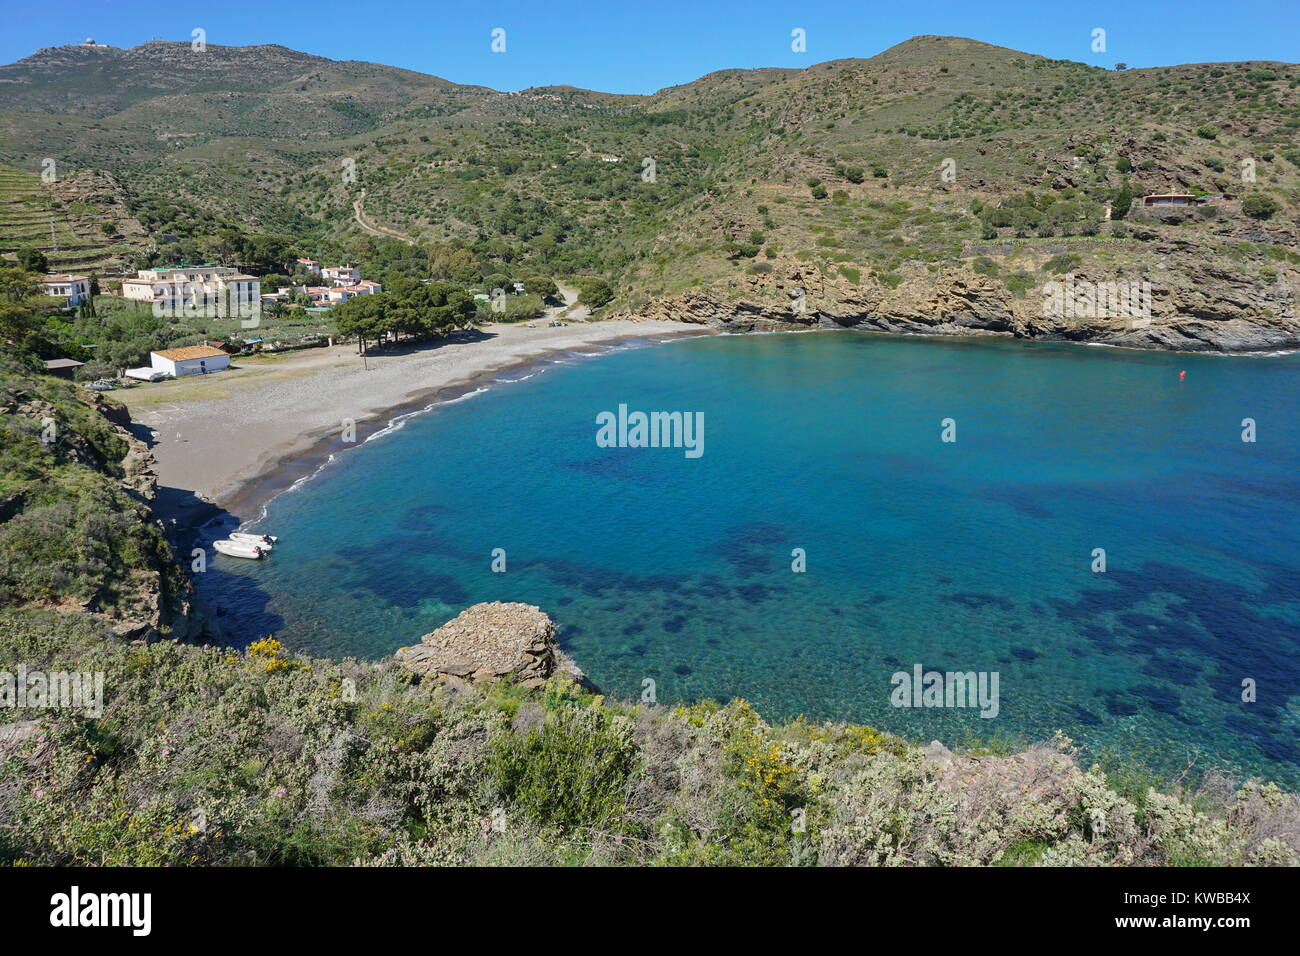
{"type": "Point", "coordinates": [971, 555]}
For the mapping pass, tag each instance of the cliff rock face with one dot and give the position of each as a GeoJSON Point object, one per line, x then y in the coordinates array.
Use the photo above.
{"type": "Point", "coordinates": [1195, 306]}
{"type": "Point", "coordinates": [86, 461]}
{"type": "Point", "coordinates": [173, 606]}
{"type": "Point", "coordinates": [490, 642]}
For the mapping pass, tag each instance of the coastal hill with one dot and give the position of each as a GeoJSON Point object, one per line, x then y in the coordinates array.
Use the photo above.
{"type": "Point", "coordinates": [938, 185]}
{"type": "Point", "coordinates": [474, 747]}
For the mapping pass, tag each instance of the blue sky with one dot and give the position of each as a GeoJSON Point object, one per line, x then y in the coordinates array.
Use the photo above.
{"type": "Point", "coordinates": [638, 46]}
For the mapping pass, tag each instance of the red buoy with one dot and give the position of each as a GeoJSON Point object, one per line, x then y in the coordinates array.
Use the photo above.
{"type": "Point", "coordinates": [1182, 375]}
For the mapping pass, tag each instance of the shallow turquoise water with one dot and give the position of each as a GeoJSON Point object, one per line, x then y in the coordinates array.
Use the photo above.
{"type": "Point", "coordinates": [974, 555]}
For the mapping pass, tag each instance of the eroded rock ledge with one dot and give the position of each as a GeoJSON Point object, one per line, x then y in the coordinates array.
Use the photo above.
{"type": "Point", "coordinates": [1196, 307]}
{"type": "Point", "coordinates": [491, 642]}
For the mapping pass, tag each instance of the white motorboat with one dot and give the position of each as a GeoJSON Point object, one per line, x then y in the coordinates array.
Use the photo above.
{"type": "Point", "coordinates": [263, 541]}
{"type": "Point", "coordinates": [237, 549]}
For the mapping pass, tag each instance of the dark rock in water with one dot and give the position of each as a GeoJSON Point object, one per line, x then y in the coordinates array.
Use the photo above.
{"type": "Point", "coordinates": [491, 642]}
{"type": "Point", "coordinates": [1085, 716]}
{"type": "Point", "coordinates": [977, 600]}
{"type": "Point", "coordinates": [1119, 707]}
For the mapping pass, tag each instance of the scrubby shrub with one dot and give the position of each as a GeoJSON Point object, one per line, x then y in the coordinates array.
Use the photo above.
{"type": "Point", "coordinates": [571, 771]}
{"type": "Point", "coordinates": [1260, 206]}
{"type": "Point", "coordinates": [1061, 264]}
{"type": "Point", "coordinates": [594, 292]}
{"type": "Point", "coordinates": [1018, 283]}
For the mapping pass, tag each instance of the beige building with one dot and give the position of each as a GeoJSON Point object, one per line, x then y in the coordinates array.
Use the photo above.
{"type": "Point", "coordinates": [213, 291]}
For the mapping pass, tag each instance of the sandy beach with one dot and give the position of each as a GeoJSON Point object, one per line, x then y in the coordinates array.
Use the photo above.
{"type": "Point", "coordinates": [219, 436]}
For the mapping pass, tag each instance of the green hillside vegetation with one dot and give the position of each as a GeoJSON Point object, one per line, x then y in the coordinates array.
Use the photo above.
{"type": "Point", "coordinates": [75, 532]}
{"type": "Point", "coordinates": [488, 182]}
{"type": "Point", "coordinates": [226, 757]}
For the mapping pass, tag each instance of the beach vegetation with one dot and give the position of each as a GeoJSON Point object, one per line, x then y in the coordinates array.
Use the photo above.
{"type": "Point", "coordinates": [201, 759]}
{"type": "Point", "coordinates": [410, 309]}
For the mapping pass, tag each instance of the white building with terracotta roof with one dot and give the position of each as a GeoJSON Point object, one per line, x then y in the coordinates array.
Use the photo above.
{"type": "Point", "coordinates": [324, 294]}
{"type": "Point", "coordinates": [76, 289]}
{"type": "Point", "coordinates": [190, 360]}
{"type": "Point", "coordinates": [334, 294]}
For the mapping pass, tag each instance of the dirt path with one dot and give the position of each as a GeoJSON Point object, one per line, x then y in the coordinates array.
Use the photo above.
{"type": "Point", "coordinates": [374, 228]}
{"type": "Point", "coordinates": [570, 310]}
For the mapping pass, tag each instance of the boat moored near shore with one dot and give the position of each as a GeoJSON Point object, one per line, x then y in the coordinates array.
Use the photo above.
{"type": "Point", "coordinates": [264, 541]}
{"type": "Point", "coordinates": [237, 549]}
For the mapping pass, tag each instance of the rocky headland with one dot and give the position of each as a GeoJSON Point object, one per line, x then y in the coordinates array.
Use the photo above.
{"type": "Point", "coordinates": [1195, 307]}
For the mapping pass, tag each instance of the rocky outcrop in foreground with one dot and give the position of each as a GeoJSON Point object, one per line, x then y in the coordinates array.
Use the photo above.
{"type": "Point", "coordinates": [491, 642]}
{"type": "Point", "coordinates": [76, 528]}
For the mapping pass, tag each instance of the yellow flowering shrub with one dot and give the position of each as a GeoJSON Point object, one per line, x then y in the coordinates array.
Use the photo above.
{"type": "Point", "coordinates": [268, 654]}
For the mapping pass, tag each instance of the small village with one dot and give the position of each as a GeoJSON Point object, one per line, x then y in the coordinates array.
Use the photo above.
{"type": "Point", "coordinates": [212, 292]}
{"type": "Point", "coordinates": [225, 293]}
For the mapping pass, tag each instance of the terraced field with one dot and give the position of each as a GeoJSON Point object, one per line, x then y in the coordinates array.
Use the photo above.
{"type": "Point", "coordinates": [80, 223]}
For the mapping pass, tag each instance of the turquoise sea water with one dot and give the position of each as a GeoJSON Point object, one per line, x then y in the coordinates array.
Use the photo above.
{"type": "Point", "coordinates": [974, 555]}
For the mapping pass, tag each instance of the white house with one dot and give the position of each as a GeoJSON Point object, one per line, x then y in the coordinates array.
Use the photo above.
{"type": "Point", "coordinates": [191, 360]}
{"type": "Point", "coordinates": [341, 275]}
{"type": "Point", "coordinates": [325, 294]}
{"type": "Point", "coordinates": [333, 295]}
{"type": "Point", "coordinates": [76, 289]}
{"type": "Point", "coordinates": [210, 291]}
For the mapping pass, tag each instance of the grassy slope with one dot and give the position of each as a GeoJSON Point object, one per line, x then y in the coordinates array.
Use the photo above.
{"type": "Point", "coordinates": [91, 226]}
